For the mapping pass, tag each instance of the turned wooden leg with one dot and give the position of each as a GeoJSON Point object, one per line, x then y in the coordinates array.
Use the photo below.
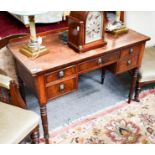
{"type": "Point", "coordinates": [102, 75]}
{"type": "Point", "coordinates": [137, 91]}
{"type": "Point", "coordinates": [21, 88]}
{"type": "Point", "coordinates": [35, 136]}
{"type": "Point", "coordinates": [43, 111]}
{"type": "Point", "coordinates": [133, 84]}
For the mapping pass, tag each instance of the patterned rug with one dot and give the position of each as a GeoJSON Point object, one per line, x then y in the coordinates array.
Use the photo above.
{"type": "Point", "coordinates": [122, 124]}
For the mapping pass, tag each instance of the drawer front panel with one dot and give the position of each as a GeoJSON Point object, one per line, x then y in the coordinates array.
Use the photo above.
{"type": "Point", "coordinates": [111, 57]}
{"type": "Point", "coordinates": [98, 62]}
{"type": "Point", "coordinates": [127, 64]}
{"type": "Point", "coordinates": [130, 52]}
{"type": "Point", "coordinates": [61, 74]}
{"type": "Point", "coordinates": [61, 88]}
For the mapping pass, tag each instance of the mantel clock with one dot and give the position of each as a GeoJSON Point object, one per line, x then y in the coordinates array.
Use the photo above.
{"type": "Point", "coordinates": [86, 30]}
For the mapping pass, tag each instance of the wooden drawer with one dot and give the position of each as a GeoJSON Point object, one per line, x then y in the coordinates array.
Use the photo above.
{"type": "Point", "coordinates": [130, 51]}
{"type": "Point", "coordinates": [98, 62]}
{"type": "Point", "coordinates": [61, 88]}
{"type": "Point", "coordinates": [127, 64]}
{"type": "Point", "coordinates": [60, 74]}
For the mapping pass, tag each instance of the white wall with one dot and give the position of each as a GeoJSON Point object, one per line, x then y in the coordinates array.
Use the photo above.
{"type": "Point", "coordinates": [143, 22]}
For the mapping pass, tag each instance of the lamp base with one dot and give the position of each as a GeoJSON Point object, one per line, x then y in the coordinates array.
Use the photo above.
{"type": "Point", "coordinates": [31, 52]}
{"type": "Point", "coordinates": [120, 31]}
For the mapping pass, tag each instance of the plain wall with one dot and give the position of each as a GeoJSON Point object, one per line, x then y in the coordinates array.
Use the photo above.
{"type": "Point", "coordinates": [143, 22]}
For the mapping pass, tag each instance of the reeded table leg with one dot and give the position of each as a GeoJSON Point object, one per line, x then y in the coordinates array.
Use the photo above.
{"type": "Point", "coordinates": [35, 136]}
{"type": "Point", "coordinates": [133, 84]}
{"type": "Point", "coordinates": [44, 118]}
{"type": "Point", "coordinates": [102, 75]}
{"type": "Point", "coordinates": [137, 91]}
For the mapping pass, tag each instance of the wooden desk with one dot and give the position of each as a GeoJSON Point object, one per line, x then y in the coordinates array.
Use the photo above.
{"type": "Point", "coordinates": [56, 73]}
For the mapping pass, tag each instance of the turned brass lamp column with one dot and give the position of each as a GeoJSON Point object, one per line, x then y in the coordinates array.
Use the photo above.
{"type": "Point", "coordinates": [118, 13]}
{"type": "Point", "coordinates": [32, 29]}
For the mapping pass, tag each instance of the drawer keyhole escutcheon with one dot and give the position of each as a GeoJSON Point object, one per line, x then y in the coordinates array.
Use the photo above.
{"type": "Point", "coordinates": [61, 74]}
{"type": "Point", "coordinates": [62, 87]}
{"type": "Point", "coordinates": [129, 62]}
{"type": "Point", "coordinates": [100, 61]}
{"type": "Point", "coordinates": [78, 28]}
{"type": "Point", "coordinates": [131, 50]}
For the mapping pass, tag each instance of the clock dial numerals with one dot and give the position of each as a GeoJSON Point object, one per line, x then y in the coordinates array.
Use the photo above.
{"type": "Point", "coordinates": [94, 25]}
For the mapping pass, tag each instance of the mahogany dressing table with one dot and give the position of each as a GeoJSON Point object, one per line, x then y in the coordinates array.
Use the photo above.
{"type": "Point", "coordinates": [56, 73]}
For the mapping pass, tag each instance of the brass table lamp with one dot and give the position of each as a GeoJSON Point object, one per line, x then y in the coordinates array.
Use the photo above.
{"type": "Point", "coordinates": [117, 27]}
{"type": "Point", "coordinates": [34, 47]}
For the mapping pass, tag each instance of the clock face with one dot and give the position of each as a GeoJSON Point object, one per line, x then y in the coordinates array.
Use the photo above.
{"type": "Point", "coordinates": [94, 26]}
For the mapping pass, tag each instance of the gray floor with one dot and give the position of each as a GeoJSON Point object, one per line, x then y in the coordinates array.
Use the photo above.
{"type": "Point", "coordinates": [90, 97]}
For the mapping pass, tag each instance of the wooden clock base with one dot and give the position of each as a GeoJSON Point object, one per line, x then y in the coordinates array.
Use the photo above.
{"type": "Point", "coordinates": [87, 47]}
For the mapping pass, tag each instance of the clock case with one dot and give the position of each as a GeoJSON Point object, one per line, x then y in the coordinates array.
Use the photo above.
{"type": "Point", "coordinates": [77, 30]}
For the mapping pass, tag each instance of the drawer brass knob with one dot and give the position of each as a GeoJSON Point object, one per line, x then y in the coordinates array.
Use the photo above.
{"type": "Point", "coordinates": [61, 87]}
{"type": "Point", "coordinates": [129, 62]}
{"type": "Point", "coordinates": [131, 50]}
{"type": "Point", "coordinates": [61, 74]}
{"type": "Point", "coordinates": [100, 61]}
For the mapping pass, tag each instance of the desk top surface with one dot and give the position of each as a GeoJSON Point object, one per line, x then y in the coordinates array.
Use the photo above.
{"type": "Point", "coordinates": [61, 55]}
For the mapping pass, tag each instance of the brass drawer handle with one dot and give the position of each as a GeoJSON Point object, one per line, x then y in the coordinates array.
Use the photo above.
{"type": "Point", "coordinates": [129, 62]}
{"type": "Point", "coordinates": [61, 87]}
{"type": "Point", "coordinates": [100, 61]}
{"type": "Point", "coordinates": [131, 50]}
{"type": "Point", "coordinates": [61, 74]}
